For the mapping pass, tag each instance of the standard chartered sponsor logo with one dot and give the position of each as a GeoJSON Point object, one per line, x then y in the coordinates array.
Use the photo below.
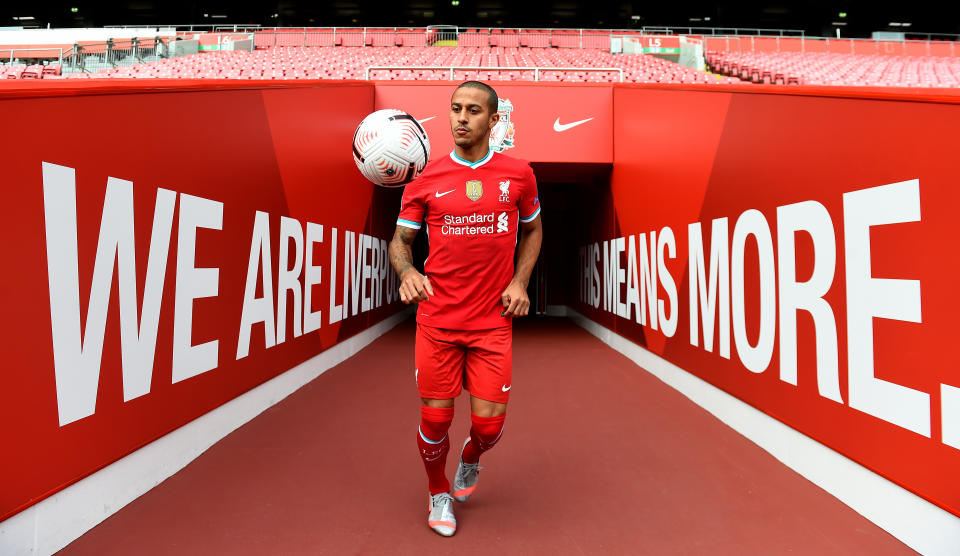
{"type": "Point", "coordinates": [474, 224]}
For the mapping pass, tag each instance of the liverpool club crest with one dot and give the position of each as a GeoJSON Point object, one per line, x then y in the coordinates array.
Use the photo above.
{"type": "Point", "coordinates": [474, 190]}
{"type": "Point", "coordinates": [502, 134]}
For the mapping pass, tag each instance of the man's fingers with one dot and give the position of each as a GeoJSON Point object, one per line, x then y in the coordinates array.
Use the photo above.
{"type": "Point", "coordinates": [511, 310]}
{"type": "Point", "coordinates": [524, 308]}
{"type": "Point", "coordinates": [411, 292]}
{"type": "Point", "coordinates": [422, 287]}
{"type": "Point", "coordinates": [414, 288]}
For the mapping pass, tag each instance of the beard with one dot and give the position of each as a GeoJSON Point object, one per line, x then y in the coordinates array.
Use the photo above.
{"type": "Point", "coordinates": [475, 136]}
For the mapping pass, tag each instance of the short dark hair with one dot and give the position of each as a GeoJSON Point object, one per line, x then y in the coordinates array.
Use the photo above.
{"type": "Point", "coordinates": [493, 101]}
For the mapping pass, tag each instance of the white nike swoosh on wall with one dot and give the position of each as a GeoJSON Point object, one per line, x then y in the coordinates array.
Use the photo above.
{"type": "Point", "coordinates": [558, 127]}
{"type": "Point", "coordinates": [425, 119]}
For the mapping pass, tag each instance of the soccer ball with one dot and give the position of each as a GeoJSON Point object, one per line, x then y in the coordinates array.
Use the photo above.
{"type": "Point", "coordinates": [390, 148]}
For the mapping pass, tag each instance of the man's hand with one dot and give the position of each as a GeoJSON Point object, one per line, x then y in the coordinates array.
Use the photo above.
{"type": "Point", "coordinates": [414, 287]}
{"type": "Point", "coordinates": [515, 301]}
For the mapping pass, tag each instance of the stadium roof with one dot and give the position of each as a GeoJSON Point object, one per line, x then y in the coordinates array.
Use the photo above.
{"type": "Point", "coordinates": [854, 18]}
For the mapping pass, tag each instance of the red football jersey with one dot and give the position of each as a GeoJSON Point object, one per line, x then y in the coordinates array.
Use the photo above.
{"type": "Point", "coordinates": [472, 211]}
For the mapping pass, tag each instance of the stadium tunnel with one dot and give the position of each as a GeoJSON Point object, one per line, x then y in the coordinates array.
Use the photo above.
{"type": "Point", "coordinates": [741, 268]}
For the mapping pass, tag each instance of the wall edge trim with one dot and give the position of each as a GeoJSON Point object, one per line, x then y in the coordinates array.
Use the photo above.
{"type": "Point", "coordinates": [58, 520]}
{"type": "Point", "coordinates": [921, 525]}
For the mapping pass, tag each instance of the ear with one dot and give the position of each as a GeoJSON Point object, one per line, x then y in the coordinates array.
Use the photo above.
{"type": "Point", "coordinates": [494, 118]}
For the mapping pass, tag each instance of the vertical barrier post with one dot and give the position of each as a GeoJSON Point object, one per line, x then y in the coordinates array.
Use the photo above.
{"type": "Point", "coordinates": [304, 37]}
{"type": "Point", "coordinates": [451, 73]}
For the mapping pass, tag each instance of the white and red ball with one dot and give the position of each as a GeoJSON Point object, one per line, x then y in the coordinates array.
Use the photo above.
{"type": "Point", "coordinates": [390, 148]}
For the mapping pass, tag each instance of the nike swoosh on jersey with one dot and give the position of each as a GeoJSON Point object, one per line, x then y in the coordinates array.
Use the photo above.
{"type": "Point", "coordinates": [505, 388]}
{"type": "Point", "coordinates": [438, 194]}
{"type": "Point", "coordinates": [558, 127]}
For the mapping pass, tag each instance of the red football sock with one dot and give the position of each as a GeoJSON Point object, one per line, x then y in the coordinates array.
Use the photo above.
{"type": "Point", "coordinates": [484, 433]}
{"type": "Point", "coordinates": [434, 445]}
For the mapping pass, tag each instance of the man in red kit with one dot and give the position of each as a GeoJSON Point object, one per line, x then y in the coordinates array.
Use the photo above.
{"type": "Point", "coordinates": [472, 203]}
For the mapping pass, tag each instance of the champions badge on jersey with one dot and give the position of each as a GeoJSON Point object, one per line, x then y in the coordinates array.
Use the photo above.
{"type": "Point", "coordinates": [474, 190]}
{"type": "Point", "coordinates": [501, 136]}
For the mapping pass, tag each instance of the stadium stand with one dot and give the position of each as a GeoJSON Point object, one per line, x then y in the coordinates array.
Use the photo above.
{"type": "Point", "coordinates": [817, 68]}
{"type": "Point", "coordinates": [352, 63]}
{"type": "Point", "coordinates": [416, 54]}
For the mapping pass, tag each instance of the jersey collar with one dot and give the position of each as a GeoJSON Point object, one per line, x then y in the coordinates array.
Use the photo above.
{"type": "Point", "coordinates": [472, 165]}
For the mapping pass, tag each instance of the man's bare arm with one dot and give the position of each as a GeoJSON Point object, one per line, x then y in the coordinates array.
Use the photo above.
{"type": "Point", "coordinates": [414, 287]}
{"type": "Point", "coordinates": [401, 252]}
{"type": "Point", "coordinates": [515, 300]}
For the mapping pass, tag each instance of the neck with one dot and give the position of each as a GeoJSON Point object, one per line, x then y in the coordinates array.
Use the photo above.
{"type": "Point", "coordinates": [473, 153]}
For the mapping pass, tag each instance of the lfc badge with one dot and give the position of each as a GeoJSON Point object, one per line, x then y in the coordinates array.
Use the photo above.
{"type": "Point", "coordinates": [474, 190]}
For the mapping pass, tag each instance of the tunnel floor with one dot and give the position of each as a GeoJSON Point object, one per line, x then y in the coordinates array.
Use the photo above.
{"type": "Point", "coordinates": [597, 456]}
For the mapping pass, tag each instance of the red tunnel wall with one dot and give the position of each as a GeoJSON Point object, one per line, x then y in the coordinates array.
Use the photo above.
{"type": "Point", "coordinates": [765, 160]}
{"type": "Point", "coordinates": [679, 157]}
{"type": "Point", "coordinates": [282, 151]}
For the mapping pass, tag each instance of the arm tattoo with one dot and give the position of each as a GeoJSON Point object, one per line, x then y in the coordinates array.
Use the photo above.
{"type": "Point", "coordinates": [401, 255]}
{"type": "Point", "coordinates": [405, 235]}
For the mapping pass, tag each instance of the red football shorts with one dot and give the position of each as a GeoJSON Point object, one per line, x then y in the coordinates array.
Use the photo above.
{"type": "Point", "coordinates": [479, 360]}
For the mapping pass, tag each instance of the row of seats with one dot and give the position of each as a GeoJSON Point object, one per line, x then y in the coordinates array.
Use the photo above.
{"type": "Point", "coordinates": [838, 69]}
{"type": "Point", "coordinates": [558, 38]}
{"type": "Point", "coordinates": [352, 63]}
{"type": "Point", "coordinates": [23, 71]}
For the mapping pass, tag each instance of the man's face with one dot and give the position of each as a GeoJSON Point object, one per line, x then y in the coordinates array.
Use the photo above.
{"type": "Point", "coordinates": [470, 117]}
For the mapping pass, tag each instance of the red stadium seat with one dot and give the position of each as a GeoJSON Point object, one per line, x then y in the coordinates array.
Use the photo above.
{"type": "Point", "coordinates": [351, 62]}
{"type": "Point", "coordinates": [821, 68]}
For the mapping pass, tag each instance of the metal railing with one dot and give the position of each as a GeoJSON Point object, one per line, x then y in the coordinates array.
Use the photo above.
{"type": "Point", "coordinates": [543, 37]}
{"type": "Point", "coordinates": [831, 45]}
{"type": "Point", "coordinates": [731, 31]}
{"type": "Point", "coordinates": [535, 69]}
{"type": "Point", "coordinates": [114, 53]}
{"type": "Point", "coordinates": [646, 29]}
{"type": "Point", "coordinates": [190, 27]}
